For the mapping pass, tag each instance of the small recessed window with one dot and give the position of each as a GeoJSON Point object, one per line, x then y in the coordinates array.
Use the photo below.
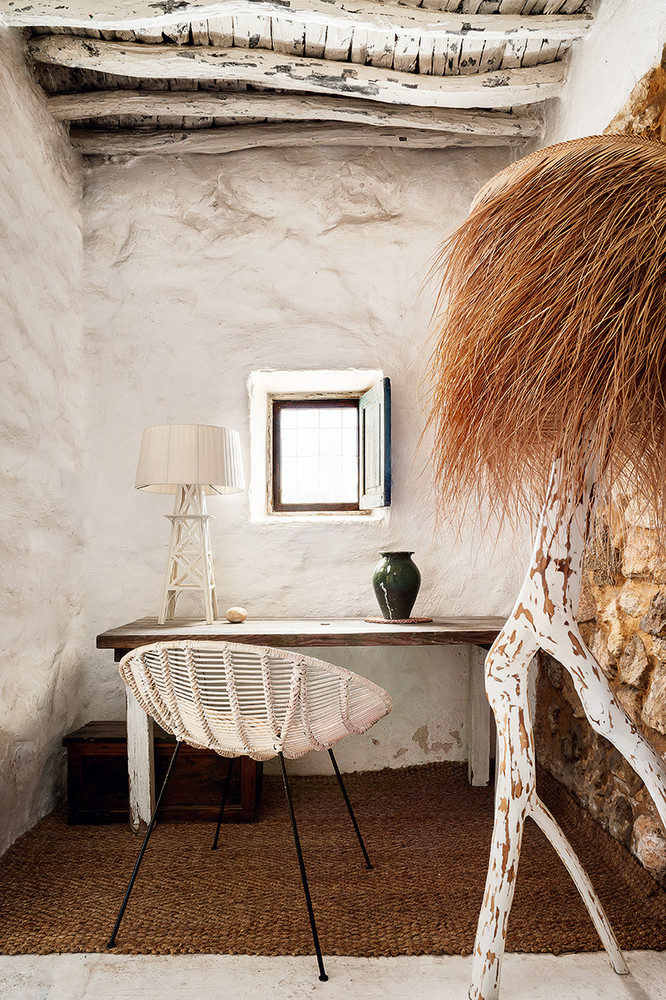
{"type": "Point", "coordinates": [315, 454]}
{"type": "Point", "coordinates": [331, 453]}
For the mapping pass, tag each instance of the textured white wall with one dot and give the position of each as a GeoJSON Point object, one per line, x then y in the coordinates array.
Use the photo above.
{"type": "Point", "coordinates": [203, 269]}
{"type": "Point", "coordinates": [42, 422]}
{"type": "Point", "coordinates": [624, 43]}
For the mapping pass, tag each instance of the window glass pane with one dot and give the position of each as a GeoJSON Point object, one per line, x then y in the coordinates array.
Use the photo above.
{"type": "Point", "coordinates": [330, 442]}
{"type": "Point", "coordinates": [319, 454]}
{"type": "Point", "coordinates": [288, 418]}
{"type": "Point", "coordinates": [350, 441]}
{"type": "Point", "coordinates": [289, 467]}
{"type": "Point", "coordinates": [331, 416]}
{"type": "Point", "coordinates": [306, 417]}
{"type": "Point", "coordinates": [288, 441]}
{"type": "Point", "coordinates": [307, 441]}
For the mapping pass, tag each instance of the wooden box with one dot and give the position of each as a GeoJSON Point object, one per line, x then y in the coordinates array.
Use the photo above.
{"type": "Point", "coordinates": [98, 784]}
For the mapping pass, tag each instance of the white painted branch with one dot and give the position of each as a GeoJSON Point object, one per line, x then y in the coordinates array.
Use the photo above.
{"type": "Point", "coordinates": [288, 107]}
{"type": "Point", "coordinates": [546, 822]}
{"type": "Point", "coordinates": [229, 139]}
{"type": "Point", "coordinates": [544, 618]}
{"type": "Point", "coordinates": [140, 15]}
{"type": "Point", "coordinates": [277, 71]}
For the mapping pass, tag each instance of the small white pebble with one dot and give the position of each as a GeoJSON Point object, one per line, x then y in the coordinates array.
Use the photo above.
{"type": "Point", "coordinates": [236, 615]}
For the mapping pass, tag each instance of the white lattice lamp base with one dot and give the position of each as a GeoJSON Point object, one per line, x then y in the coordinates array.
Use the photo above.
{"type": "Point", "coordinates": [190, 563]}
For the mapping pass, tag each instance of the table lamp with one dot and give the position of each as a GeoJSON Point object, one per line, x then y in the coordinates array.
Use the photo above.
{"type": "Point", "coordinates": [189, 460]}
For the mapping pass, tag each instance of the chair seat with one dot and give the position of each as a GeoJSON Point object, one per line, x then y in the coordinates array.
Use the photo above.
{"type": "Point", "coordinates": [253, 700]}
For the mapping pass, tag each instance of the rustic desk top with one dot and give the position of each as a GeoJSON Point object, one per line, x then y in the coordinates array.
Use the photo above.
{"type": "Point", "coordinates": [305, 632]}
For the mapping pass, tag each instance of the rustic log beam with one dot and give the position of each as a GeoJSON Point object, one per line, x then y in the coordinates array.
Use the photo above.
{"type": "Point", "coordinates": [275, 70]}
{"type": "Point", "coordinates": [229, 139]}
{"type": "Point", "coordinates": [140, 15]}
{"type": "Point", "coordinates": [288, 107]}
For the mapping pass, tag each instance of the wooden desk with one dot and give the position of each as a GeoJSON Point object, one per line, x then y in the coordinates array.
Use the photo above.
{"type": "Point", "coordinates": [477, 633]}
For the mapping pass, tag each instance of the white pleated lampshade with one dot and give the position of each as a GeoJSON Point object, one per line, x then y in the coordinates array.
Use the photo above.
{"type": "Point", "coordinates": [174, 455]}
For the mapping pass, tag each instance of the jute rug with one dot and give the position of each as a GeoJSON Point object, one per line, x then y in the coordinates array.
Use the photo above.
{"type": "Point", "coordinates": [428, 833]}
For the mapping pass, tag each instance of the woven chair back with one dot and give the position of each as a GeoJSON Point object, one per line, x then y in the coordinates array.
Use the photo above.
{"type": "Point", "coordinates": [254, 700]}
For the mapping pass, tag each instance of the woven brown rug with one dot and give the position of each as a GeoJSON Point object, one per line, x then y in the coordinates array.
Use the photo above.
{"type": "Point", "coordinates": [428, 833]}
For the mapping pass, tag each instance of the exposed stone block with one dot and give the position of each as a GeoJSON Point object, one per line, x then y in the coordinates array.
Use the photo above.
{"type": "Point", "coordinates": [621, 820]}
{"type": "Point", "coordinates": [654, 707]}
{"type": "Point", "coordinates": [572, 744]}
{"type": "Point", "coordinates": [643, 557]}
{"type": "Point", "coordinates": [644, 113]}
{"type": "Point", "coordinates": [632, 702]}
{"type": "Point", "coordinates": [633, 666]}
{"type": "Point", "coordinates": [571, 697]}
{"type": "Point", "coordinates": [635, 597]}
{"type": "Point", "coordinates": [612, 618]}
{"type": "Point", "coordinates": [602, 654]}
{"type": "Point", "coordinates": [624, 774]}
{"type": "Point", "coordinates": [640, 514]}
{"type": "Point", "coordinates": [649, 844]}
{"type": "Point", "coordinates": [554, 711]}
{"type": "Point", "coordinates": [659, 650]}
{"type": "Point", "coordinates": [554, 671]}
{"type": "Point", "coordinates": [654, 621]}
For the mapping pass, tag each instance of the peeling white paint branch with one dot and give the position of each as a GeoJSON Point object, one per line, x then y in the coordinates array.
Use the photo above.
{"type": "Point", "coordinates": [286, 108]}
{"type": "Point", "coordinates": [229, 139]}
{"type": "Point", "coordinates": [544, 618]}
{"type": "Point", "coordinates": [501, 89]}
{"type": "Point", "coordinates": [485, 27]}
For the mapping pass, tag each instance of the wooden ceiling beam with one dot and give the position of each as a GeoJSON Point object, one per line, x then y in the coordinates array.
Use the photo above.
{"type": "Point", "coordinates": [229, 139]}
{"type": "Point", "coordinates": [142, 16]}
{"type": "Point", "coordinates": [291, 107]}
{"type": "Point", "coordinates": [278, 71]}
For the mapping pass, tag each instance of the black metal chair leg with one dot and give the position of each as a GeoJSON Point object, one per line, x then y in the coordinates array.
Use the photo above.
{"type": "Point", "coordinates": [349, 808]}
{"type": "Point", "coordinates": [112, 939]}
{"type": "Point", "coordinates": [225, 791]}
{"type": "Point", "coordinates": [301, 864]}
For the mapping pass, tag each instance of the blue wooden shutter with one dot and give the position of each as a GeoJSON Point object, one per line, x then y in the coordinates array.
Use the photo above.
{"type": "Point", "coordinates": [374, 411]}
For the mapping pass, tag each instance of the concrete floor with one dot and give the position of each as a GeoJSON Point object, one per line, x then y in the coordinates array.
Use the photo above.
{"type": "Point", "coordinates": [227, 977]}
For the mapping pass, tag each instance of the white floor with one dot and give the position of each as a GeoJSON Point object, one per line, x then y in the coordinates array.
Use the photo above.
{"type": "Point", "coordinates": [226, 977]}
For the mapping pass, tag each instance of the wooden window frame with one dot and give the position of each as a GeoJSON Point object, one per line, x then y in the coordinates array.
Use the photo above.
{"type": "Point", "coordinates": [321, 402]}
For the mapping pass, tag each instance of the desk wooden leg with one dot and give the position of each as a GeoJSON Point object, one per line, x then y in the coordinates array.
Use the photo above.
{"type": "Point", "coordinates": [140, 765]}
{"type": "Point", "coordinates": [478, 763]}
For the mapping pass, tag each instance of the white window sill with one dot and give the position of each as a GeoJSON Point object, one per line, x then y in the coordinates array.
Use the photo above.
{"type": "Point", "coordinates": [324, 517]}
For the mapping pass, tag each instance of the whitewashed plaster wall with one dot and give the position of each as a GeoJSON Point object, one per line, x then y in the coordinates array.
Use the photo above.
{"type": "Point", "coordinates": [624, 43]}
{"type": "Point", "coordinates": [42, 426]}
{"type": "Point", "coordinates": [199, 271]}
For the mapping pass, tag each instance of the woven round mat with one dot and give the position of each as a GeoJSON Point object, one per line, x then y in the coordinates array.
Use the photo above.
{"type": "Point", "coordinates": [378, 620]}
{"type": "Point", "coordinates": [428, 834]}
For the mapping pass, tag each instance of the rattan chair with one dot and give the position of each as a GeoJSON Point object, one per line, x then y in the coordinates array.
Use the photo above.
{"type": "Point", "coordinates": [254, 700]}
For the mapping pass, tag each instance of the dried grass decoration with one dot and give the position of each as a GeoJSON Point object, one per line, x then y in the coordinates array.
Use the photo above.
{"type": "Point", "coordinates": [551, 327]}
{"type": "Point", "coordinates": [551, 355]}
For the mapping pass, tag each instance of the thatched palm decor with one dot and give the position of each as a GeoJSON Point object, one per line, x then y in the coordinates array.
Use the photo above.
{"type": "Point", "coordinates": [548, 392]}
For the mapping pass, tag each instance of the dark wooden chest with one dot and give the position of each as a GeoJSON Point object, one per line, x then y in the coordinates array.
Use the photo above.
{"type": "Point", "coordinates": [98, 784]}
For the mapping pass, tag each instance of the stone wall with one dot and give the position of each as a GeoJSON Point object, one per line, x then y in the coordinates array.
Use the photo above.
{"type": "Point", "coordinates": [623, 602]}
{"type": "Point", "coordinates": [42, 446]}
{"type": "Point", "coordinates": [622, 613]}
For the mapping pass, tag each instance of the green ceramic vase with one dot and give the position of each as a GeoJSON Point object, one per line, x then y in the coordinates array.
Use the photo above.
{"type": "Point", "coordinates": [396, 581]}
